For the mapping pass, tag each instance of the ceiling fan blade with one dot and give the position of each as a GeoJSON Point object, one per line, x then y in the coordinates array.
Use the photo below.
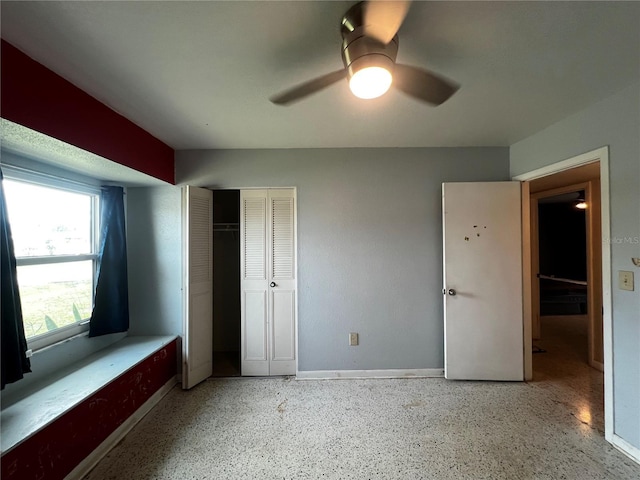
{"type": "Point", "coordinates": [304, 89]}
{"type": "Point", "coordinates": [422, 84]}
{"type": "Point", "coordinates": [382, 19]}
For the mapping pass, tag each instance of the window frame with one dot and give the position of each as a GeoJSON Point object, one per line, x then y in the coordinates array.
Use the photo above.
{"type": "Point", "coordinates": [30, 177]}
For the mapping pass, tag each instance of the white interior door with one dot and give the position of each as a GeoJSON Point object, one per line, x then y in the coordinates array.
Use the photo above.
{"type": "Point", "coordinates": [268, 282]}
{"type": "Point", "coordinates": [483, 281]}
{"type": "Point", "coordinates": [197, 344]}
{"type": "Point", "coordinates": [282, 285]}
{"type": "Point", "coordinates": [253, 278]}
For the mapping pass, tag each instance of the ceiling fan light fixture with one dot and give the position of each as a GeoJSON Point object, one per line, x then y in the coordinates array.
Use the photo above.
{"type": "Point", "coordinates": [369, 32]}
{"type": "Point", "coordinates": [370, 82]}
{"type": "Point", "coordinates": [370, 76]}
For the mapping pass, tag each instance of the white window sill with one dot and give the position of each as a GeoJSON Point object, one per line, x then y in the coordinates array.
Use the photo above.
{"type": "Point", "coordinates": [55, 338]}
{"type": "Point", "coordinates": [37, 410]}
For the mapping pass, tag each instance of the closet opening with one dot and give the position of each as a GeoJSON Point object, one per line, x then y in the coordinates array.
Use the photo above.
{"type": "Point", "coordinates": [226, 283]}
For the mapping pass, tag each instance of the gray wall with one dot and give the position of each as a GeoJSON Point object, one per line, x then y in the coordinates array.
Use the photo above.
{"type": "Point", "coordinates": [614, 122]}
{"type": "Point", "coordinates": [369, 242]}
{"type": "Point", "coordinates": [154, 249]}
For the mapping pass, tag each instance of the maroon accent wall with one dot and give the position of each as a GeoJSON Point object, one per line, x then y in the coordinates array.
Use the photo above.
{"type": "Point", "coordinates": [56, 450]}
{"type": "Point", "coordinates": [37, 98]}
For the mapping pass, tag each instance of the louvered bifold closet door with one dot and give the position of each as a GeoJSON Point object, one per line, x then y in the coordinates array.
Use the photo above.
{"type": "Point", "coordinates": [197, 216]}
{"type": "Point", "coordinates": [254, 282]}
{"type": "Point", "coordinates": [268, 302]}
{"type": "Point", "coordinates": [282, 298]}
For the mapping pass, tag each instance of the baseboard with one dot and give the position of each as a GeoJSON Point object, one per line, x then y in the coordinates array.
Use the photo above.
{"type": "Point", "coordinates": [597, 365]}
{"type": "Point", "coordinates": [84, 467]}
{"type": "Point", "coordinates": [390, 373]}
{"type": "Point", "coordinates": [625, 447]}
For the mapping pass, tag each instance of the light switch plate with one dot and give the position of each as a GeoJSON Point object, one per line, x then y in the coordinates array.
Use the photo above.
{"type": "Point", "coordinates": [353, 339]}
{"type": "Point", "coordinates": [625, 280]}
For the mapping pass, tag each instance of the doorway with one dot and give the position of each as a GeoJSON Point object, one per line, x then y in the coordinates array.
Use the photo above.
{"type": "Point", "coordinates": [566, 252]}
{"type": "Point", "coordinates": [226, 283]}
{"type": "Point", "coordinates": [566, 346]}
{"type": "Point", "coordinates": [592, 169]}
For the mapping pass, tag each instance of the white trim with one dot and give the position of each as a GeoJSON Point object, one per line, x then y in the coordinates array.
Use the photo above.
{"type": "Point", "coordinates": [50, 259]}
{"type": "Point", "coordinates": [351, 374]}
{"type": "Point", "coordinates": [601, 155]}
{"type": "Point", "coordinates": [184, 238]}
{"type": "Point", "coordinates": [607, 303]}
{"type": "Point", "coordinates": [583, 159]}
{"type": "Point", "coordinates": [47, 180]}
{"type": "Point", "coordinates": [42, 342]}
{"type": "Point", "coordinates": [297, 272]}
{"type": "Point", "coordinates": [91, 460]}
{"type": "Point", "coordinates": [527, 310]}
{"type": "Point", "coordinates": [625, 447]}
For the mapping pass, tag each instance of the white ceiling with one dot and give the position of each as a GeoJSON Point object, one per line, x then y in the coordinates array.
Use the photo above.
{"type": "Point", "coordinates": [198, 75]}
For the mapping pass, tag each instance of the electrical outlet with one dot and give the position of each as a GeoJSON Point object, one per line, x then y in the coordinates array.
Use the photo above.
{"type": "Point", "coordinates": [625, 280]}
{"type": "Point", "coordinates": [353, 339]}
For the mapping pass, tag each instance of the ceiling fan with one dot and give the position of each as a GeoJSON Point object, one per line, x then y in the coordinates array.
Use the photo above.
{"type": "Point", "coordinates": [369, 48]}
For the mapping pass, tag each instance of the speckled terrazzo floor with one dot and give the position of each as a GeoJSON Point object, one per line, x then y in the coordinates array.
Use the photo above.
{"type": "Point", "coordinates": [280, 428]}
{"type": "Point", "coordinates": [563, 369]}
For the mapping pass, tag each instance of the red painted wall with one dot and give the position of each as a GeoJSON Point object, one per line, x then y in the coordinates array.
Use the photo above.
{"type": "Point", "coordinates": [37, 98]}
{"type": "Point", "coordinates": [56, 450]}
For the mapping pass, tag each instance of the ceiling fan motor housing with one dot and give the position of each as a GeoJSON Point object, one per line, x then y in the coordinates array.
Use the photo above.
{"type": "Point", "coordinates": [360, 51]}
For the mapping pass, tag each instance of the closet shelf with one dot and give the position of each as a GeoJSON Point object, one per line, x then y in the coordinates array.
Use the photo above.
{"type": "Point", "coordinates": [225, 227]}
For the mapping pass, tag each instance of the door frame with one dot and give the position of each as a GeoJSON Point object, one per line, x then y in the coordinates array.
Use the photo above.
{"type": "Point", "coordinates": [601, 155]}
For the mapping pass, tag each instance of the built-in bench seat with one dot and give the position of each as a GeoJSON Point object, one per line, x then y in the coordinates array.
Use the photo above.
{"type": "Point", "coordinates": [49, 432]}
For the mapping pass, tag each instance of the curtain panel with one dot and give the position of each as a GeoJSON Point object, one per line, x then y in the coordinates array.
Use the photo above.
{"type": "Point", "coordinates": [111, 306]}
{"type": "Point", "coordinates": [14, 359]}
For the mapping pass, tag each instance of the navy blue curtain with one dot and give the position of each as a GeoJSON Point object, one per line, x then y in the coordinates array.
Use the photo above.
{"type": "Point", "coordinates": [14, 360]}
{"type": "Point", "coordinates": [111, 307]}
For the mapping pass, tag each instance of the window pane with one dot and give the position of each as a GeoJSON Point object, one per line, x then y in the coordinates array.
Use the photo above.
{"type": "Point", "coordinates": [47, 221]}
{"type": "Point", "coordinates": [55, 295]}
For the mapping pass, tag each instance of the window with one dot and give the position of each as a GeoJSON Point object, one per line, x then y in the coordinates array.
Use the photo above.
{"type": "Point", "coordinates": [54, 224]}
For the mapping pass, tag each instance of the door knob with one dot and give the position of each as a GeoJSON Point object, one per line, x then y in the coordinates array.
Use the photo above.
{"type": "Point", "coordinates": [273, 284]}
{"type": "Point", "coordinates": [452, 292]}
